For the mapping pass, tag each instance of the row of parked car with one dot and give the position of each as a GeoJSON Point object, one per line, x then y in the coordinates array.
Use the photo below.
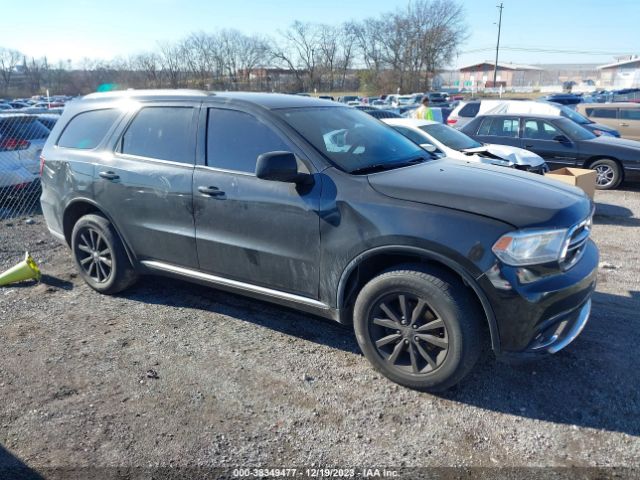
{"type": "Point", "coordinates": [22, 137]}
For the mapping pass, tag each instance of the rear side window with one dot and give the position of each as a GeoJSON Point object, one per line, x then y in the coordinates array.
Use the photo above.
{"type": "Point", "coordinates": [86, 130]}
{"type": "Point", "coordinates": [236, 139]}
{"type": "Point", "coordinates": [469, 110]}
{"type": "Point", "coordinates": [499, 127]}
{"type": "Point", "coordinates": [164, 133]}
{"type": "Point", "coordinates": [22, 128]}
{"type": "Point", "coordinates": [603, 113]}
{"type": "Point", "coordinates": [630, 114]}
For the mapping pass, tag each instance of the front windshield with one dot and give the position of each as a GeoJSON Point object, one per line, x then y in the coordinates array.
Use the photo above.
{"type": "Point", "coordinates": [575, 131]}
{"type": "Point", "coordinates": [451, 137]}
{"type": "Point", "coordinates": [351, 139]}
{"type": "Point", "coordinates": [575, 116]}
{"type": "Point", "coordinates": [405, 100]}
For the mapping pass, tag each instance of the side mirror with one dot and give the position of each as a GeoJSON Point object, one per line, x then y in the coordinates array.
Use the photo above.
{"type": "Point", "coordinates": [562, 139]}
{"type": "Point", "coordinates": [428, 147]}
{"type": "Point", "coordinates": [278, 167]}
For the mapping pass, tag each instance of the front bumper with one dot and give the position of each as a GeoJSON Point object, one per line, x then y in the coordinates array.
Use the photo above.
{"type": "Point", "coordinates": [546, 315]}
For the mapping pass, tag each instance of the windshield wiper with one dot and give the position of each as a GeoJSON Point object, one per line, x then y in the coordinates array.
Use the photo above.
{"type": "Point", "coordinates": [380, 167]}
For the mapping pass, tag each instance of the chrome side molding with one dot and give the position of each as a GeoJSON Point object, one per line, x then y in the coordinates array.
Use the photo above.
{"type": "Point", "coordinates": [226, 282]}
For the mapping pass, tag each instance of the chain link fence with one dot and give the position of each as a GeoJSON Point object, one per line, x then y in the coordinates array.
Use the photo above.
{"type": "Point", "coordinates": [22, 137]}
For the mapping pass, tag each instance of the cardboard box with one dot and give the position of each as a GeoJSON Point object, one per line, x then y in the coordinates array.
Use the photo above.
{"type": "Point", "coordinates": [578, 177]}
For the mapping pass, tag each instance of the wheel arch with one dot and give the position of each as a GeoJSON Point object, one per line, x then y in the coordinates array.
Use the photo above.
{"type": "Point", "coordinates": [370, 263]}
{"type": "Point", "coordinates": [589, 161]}
{"type": "Point", "coordinates": [80, 207]}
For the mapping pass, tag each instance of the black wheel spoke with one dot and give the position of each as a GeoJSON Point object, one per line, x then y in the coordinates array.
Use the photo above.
{"type": "Point", "coordinates": [417, 311]}
{"type": "Point", "coordinates": [385, 322]}
{"type": "Point", "coordinates": [403, 306]}
{"type": "Point", "coordinates": [435, 324]}
{"type": "Point", "coordinates": [390, 314]}
{"type": "Point", "coordinates": [396, 353]}
{"type": "Point", "coordinates": [388, 339]}
{"type": "Point", "coordinates": [414, 360]}
{"type": "Point", "coordinates": [423, 353]}
{"type": "Point", "coordinates": [84, 248]}
{"type": "Point", "coordinates": [433, 340]}
{"type": "Point", "coordinates": [102, 271]}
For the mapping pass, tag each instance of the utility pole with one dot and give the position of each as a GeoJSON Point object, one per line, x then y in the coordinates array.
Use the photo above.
{"type": "Point", "coordinates": [495, 67]}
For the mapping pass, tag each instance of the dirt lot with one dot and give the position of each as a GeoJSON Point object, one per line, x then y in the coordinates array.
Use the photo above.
{"type": "Point", "coordinates": [244, 383]}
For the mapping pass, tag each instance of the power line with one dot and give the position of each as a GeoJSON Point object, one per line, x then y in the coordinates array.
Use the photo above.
{"type": "Point", "coordinates": [548, 50]}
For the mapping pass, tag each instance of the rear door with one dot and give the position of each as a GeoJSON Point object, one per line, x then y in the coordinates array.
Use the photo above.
{"type": "Point", "coordinates": [541, 137]}
{"type": "Point", "coordinates": [500, 130]}
{"type": "Point", "coordinates": [251, 230]}
{"type": "Point", "coordinates": [629, 125]}
{"type": "Point", "coordinates": [145, 184]}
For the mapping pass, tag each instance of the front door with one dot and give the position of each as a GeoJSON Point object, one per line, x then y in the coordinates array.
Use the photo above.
{"type": "Point", "coordinates": [543, 138]}
{"type": "Point", "coordinates": [145, 186]}
{"type": "Point", "coordinates": [251, 230]}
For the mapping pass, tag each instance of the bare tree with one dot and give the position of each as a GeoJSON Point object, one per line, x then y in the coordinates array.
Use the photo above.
{"type": "Point", "coordinates": [9, 60]}
{"type": "Point", "coordinates": [300, 52]}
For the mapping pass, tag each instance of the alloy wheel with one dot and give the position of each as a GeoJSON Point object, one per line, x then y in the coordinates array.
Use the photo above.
{"type": "Point", "coordinates": [605, 175]}
{"type": "Point", "coordinates": [408, 334]}
{"type": "Point", "coordinates": [94, 255]}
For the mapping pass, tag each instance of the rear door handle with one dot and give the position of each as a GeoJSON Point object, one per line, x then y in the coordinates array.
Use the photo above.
{"type": "Point", "coordinates": [624, 124]}
{"type": "Point", "coordinates": [109, 175]}
{"type": "Point", "coordinates": [528, 146]}
{"type": "Point", "coordinates": [211, 191]}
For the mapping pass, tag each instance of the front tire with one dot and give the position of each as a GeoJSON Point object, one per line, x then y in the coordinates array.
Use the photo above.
{"type": "Point", "coordinates": [419, 329]}
{"type": "Point", "coordinates": [609, 173]}
{"type": "Point", "coordinates": [100, 255]}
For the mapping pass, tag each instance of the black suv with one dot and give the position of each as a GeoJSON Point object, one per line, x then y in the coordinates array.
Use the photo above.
{"type": "Point", "coordinates": [323, 208]}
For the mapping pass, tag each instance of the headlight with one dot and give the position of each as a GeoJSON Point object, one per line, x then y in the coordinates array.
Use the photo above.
{"type": "Point", "coordinates": [531, 247]}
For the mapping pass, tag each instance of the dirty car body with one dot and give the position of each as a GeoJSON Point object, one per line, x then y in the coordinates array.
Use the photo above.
{"type": "Point", "coordinates": [259, 200]}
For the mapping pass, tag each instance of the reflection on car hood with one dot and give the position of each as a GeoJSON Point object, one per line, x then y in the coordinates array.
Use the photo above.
{"type": "Point", "coordinates": [518, 198]}
{"type": "Point", "coordinates": [617, 142]}
{"type": "Point", "coordinates": [515, 155]}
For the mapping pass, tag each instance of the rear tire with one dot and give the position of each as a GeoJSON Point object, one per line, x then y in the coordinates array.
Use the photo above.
{"type": "Point", "coordinates": [418, 329]}
{"type": "Point", "coordinates": [100, 255]}
{"type": "Point", "coordinates": [609, 173]}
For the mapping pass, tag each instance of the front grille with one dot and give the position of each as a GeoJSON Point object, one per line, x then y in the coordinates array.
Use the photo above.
{"type": "Point", "coordinates": [577, 242]}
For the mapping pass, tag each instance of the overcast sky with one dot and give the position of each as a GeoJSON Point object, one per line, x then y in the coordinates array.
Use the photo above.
{"type": "Point", "coordinates": [591, 31]}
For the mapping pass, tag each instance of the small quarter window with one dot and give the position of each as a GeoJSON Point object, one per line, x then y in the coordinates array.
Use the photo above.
{"type": "Point", "coordinates": [86, 130]}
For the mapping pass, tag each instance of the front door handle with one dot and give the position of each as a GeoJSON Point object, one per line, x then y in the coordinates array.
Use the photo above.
{"type": "Point", "coordinates": [624, 124]}
{"type": "Point", "coordinates": [528, 146]}
{"type": "Point", "coordinates": [109, 175]}
{"type": "Point", "coordinates": [211, 191]}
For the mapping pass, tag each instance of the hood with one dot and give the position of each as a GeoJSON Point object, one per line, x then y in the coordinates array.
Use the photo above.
{"type": "Point", "coordinates": [515, 155]}
{"type": "Point", "coordinates": [511, 196]}
{"type": "Point", "coordinates": [617, 142]}
{"type": "Point", "coordinates": [599, 126]}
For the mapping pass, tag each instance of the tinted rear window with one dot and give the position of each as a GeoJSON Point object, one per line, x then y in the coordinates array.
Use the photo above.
{"type": "Point", "coordinates": [164, 133]}
{"type": "Point", "coordinates": [603, 113]}
{"type": "Point", "coordinates": [23, 129]}
{"type": "Point", "coordinates": [630, 114]}
{"type": "Point", "coordinates": [86, 130]}
{"type": "Point", "coordinates": [470, 110]}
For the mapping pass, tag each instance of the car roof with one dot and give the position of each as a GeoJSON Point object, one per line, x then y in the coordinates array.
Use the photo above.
{"type": "Point", "coordinates": [528, 115]}
{"type": "Point", "coordinates": [266, 100]}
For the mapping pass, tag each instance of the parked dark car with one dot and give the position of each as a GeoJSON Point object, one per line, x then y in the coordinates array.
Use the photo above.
{"type": "Point", "coordinates": [562, 143]}
{"type": "Point", "coordinates": [378, 113]}
{"type": "Point", "coordinates": [563, 98]}
{"type": "Point", "coordinates": [325, 209]}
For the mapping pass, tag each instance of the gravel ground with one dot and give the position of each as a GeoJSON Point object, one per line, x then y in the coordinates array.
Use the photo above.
{"type": "Point", "coordinates": [174, 374]}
